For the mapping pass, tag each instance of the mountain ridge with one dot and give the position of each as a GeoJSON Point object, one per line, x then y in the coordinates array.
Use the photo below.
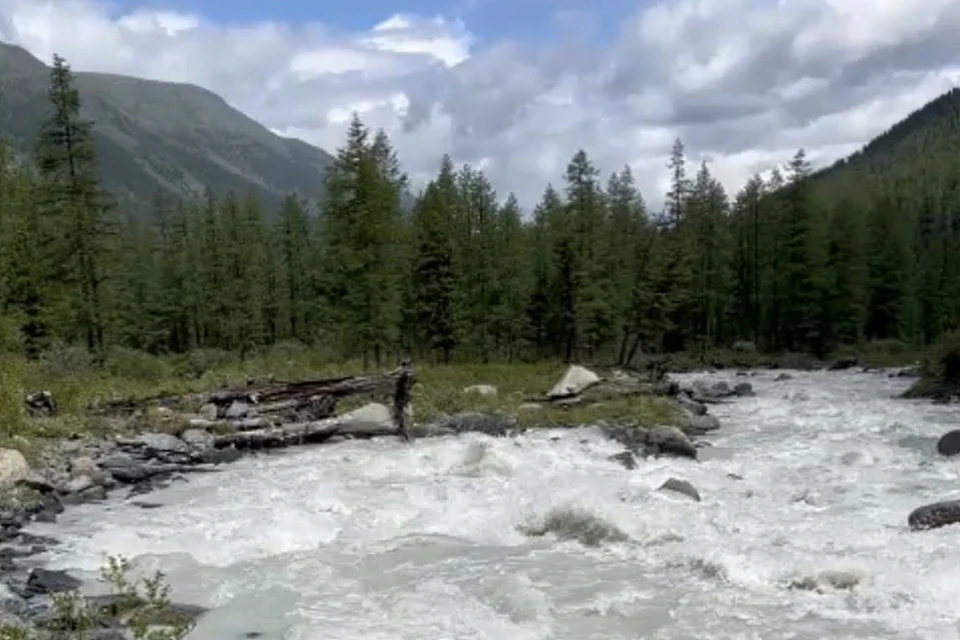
{"type": "Point", "coordinates": [157, 136]}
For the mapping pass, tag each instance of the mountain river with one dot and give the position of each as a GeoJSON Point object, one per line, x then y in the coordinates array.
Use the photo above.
{"type": "Point", "coordinates": [374, 540]}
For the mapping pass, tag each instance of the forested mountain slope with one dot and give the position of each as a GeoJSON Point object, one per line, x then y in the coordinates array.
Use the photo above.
{"type": "Point", "coordinates": [901, 192]}
{"type": "Point", "coordinates": [159, 136]}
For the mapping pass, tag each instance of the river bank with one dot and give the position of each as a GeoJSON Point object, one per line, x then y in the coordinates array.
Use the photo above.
{"type": "Point", "coordinates": [647, 419]}
{"type": "Point", "coordinates": [800, 529]}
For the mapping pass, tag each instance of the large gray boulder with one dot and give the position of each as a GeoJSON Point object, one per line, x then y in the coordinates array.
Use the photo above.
{"type": "Point", "coordinates": [13, 468]}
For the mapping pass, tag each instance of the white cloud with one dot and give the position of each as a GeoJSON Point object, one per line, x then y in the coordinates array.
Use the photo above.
{"type": "Point", "coordinates": [742, 82]}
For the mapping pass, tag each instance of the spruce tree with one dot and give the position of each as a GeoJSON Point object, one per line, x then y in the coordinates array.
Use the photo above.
{"type": "Point", "coordinates": [70, 185]}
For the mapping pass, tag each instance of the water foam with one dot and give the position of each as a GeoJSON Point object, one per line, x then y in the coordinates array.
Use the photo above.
{"type": "Point", "coordinates": [811, 479]}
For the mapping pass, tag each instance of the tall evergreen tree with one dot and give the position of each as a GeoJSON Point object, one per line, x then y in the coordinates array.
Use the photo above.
{"type": "Point", "coordinates": [70, 185]}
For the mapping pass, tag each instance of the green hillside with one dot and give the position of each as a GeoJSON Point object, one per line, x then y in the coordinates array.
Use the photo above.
{"type": "Point", "coordinates": [159, 136]}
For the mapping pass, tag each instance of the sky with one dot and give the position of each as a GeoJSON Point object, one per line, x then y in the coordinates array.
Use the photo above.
{"type": "Point", "coordinates": [516, 87]}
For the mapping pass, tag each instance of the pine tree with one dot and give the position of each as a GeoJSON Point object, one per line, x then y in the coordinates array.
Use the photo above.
{"type": "Point", "coordinates": [434, 280]}
{"type": "Point", "coordinates": [68, 168]}
{"type": "Point", "coordinates": [293, 242]}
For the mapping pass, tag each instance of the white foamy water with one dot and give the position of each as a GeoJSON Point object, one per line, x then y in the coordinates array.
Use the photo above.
{"type": "Point", "coordinates": [377, 540]}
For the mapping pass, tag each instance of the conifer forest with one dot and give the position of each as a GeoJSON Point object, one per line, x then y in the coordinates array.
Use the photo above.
{"type": "Point", "coordinates": [797, 261]}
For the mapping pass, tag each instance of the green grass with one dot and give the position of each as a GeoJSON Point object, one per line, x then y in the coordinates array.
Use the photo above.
{"type": "Point", "coordinates": [440, 390]}
{"type": "Point", "coordinates": [76, 383]}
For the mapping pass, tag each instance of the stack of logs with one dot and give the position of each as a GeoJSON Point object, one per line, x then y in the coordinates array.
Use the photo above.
{"type": "Point", "coordinates": [274, 414]}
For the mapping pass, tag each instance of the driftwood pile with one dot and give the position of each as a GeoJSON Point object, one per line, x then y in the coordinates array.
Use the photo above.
{"type": "Point", "coordinates": [276, 414]}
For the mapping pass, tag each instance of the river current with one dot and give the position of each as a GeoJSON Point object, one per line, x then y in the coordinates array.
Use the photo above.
{"type": "Point", "coordinates": [813, 477]}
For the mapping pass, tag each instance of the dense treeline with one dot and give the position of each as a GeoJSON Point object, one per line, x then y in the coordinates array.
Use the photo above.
{"type": "Point", "coordinates": [793, 262]}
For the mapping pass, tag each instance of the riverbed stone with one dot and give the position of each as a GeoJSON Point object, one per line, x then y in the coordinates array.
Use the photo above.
{"type": "Point", "coordinates": [683, 487]}
{"type": "Point", "coordinates": [949, 443]}
{"type": "Point", "coordinates": [490, 424]}
{"type": "Point", "coordinates": [659, 440]}
{"type": "Point", "coordinates": [669, 440]}
{"type": "Point", "coordinates": [743, 389]}
{"type": "Point", "coordinates": [198, 438]}
{"type": "Point", "coordinates": [43, 581]}
{"type": "Point", "coordinates": [697, 425]}
{"type": "Point", "coordinates": [626, 459]}
{"type": "Point", "coordinates": [935, 515]}
{"type": "Point", "coordinates": [208, 411]}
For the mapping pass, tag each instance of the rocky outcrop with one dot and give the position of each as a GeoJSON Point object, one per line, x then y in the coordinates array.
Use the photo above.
{"type": "Point", "coordinates": [655, 441]}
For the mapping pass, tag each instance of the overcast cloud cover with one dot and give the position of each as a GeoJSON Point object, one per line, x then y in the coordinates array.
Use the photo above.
{"type": "Point", "coordinates": [743, 83]}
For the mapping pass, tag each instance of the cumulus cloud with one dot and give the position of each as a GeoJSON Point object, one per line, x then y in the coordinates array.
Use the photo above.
{"type": "Point", "coordinates": [743, 83]}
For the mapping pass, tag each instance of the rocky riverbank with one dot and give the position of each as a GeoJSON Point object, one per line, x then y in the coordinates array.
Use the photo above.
{"type": "Point", "coordinates": [88, 468]}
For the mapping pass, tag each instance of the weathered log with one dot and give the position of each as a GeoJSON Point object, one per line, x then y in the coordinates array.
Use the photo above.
{"type": "Point", "coordinates": [301, 433]}
{"type": "Point", "coordinates": [319, 395]}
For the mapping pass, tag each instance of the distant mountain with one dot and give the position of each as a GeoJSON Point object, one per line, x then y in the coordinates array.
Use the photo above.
{"type": "Point", "coordinates": [162, 136]}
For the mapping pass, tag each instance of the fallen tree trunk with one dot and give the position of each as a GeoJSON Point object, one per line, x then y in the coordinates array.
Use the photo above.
{"type": "Point", "coordinates": [318, 395]}
{"type": "Point", "coordinates": [302, 433]}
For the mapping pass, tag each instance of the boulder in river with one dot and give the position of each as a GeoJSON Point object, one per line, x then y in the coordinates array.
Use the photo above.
{"type": "Point", "coordinates": [625, 458]}
{"type": "Point", "coordinates": [659, 440]}
{"type": "Point", "coordinates": [698, 425]}
{"type": "Point", "coordinates": [935, 515]}
{"type": "Point", "coordinates": [949, 443]}
{"type": "Point", "coordinates": [683, 487]}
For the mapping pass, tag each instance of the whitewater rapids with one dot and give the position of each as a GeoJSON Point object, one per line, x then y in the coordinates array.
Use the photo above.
{"type": "Point", "coordinates": [813, 477]}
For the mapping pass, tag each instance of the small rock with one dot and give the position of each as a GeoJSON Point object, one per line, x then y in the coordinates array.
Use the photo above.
{"type": "Point", "coordinates": [125, 469]}
{"type": "Point", "coordinates": [223, 456]}
{"type": "Point", "coordinates": [833, 578]}
{"type": "Point", "coordinates": [237, 410]}
{"type": "Point", "coordinates": [43, 581]}
{"type": "Point", "coordinates": [576, 380]}
{"type": "Point", "coordinates": [161, 443]}
{"type": "Point", "coordinates": [373, 416]}
{"type": "Point", "coordinates": [670, 440]}
{"type": "Point", "coordinates": [949, 443]}
{"type": "Point", "coordinates": [83, 466]}
{"type": "Point", "coordinates": [198, 438]}
{"type": "Point", "coordinates": [690, 405]}
{"type": "Point", "coordinates": [681, 486]}
{"type": "Point", "coordinates": [625, 458]}
{"type": "Point", "coordinates": [471, 422]}
{"type": "Point", "coordinates": [782, 377]}
{"type": "Point", "coordinates": [87, 494]}
{"type": "Point", "coordinates": [77, 484]}
{"type": "Point", "coordinates": [208, 411]}
{"type": "Point", "coordinates": [699, 425]}
{"type": "Point", "coordinates": [13, 468]}
{"type": "Point", "coordinates": [530, 406]}
{"type": "Point", "coordinates": [743, 389]}
{"type": "Point", "coordinates": [935, 515]}
{"type": "Point", "coordinates": [482, 390]}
